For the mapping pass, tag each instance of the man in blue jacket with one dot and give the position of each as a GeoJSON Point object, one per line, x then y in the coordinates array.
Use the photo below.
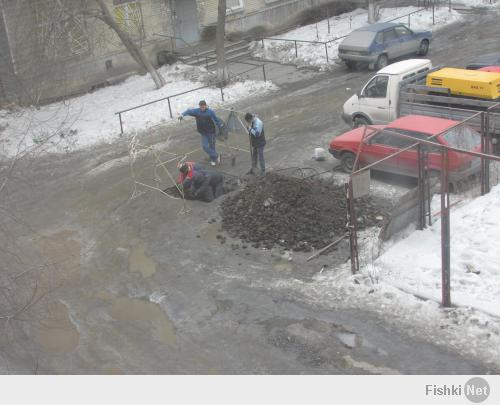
{"type": "Point", "coordinates": [257, 142]}
{"type": "Point", "coordinates": [206, 120]}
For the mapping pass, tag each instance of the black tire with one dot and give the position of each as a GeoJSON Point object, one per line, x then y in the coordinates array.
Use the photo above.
{"type": "Point", "coordinates": [347, 161]}
{"type": "Point", "coordinates": [351, 65]}
{"type": "Point", "coordinates": [360, 121]}
{"type": "Point", "coordinates": [423, 48]}
{"type": "Point", "coordinates": [382, 61]}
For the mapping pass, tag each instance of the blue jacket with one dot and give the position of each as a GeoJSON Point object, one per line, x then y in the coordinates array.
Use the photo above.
{"type": "Point", "coordinates": [205, 120]}
{"type": "Point", "coordinates": [256, 132]}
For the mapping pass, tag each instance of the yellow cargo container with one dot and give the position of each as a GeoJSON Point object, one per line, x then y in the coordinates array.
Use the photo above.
{"type": "Point", "coordinates": [469, 83]}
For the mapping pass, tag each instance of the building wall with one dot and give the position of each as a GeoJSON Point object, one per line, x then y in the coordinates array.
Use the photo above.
{"type": "Point", "coordinates": [94, 56]}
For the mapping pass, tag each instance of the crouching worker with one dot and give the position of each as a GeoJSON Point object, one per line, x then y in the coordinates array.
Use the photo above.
{"type": "Point", "coordinates": [187, 170]}
{"type": "Point", "coordinates": [204, 186]}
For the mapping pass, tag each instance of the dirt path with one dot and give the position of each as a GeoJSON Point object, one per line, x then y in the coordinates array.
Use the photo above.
{"type": "Point", "coordinates": [137, 287]}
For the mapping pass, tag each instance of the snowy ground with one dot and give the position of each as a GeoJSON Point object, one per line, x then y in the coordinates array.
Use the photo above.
{"type": "Point", "coordinates": [90, 119]}
{"type": "Point", "coordinates": [315, 55]}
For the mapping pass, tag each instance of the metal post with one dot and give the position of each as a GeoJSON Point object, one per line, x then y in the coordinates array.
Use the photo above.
{"type": "Point", "coordinates": [296, 54]}
{"type": "Point", "coordinates": [206, 62]}
{"type": "Point", "coordinates": [264, 72]}
{"type": "Point", "coordinates": [351, 223]}
{"type": "Point", "coordinates": [221, 93]}
{"type": "Point", "coordinates": [328, 18]}
{"type": "Point", "coordinates": [172, 43]}
{"type": "Point", "coordinates": [262, 40]}
{"type": "Point", "coordinates": [449, 5]}
{"type": "Point", "coordinates": [483, 150]}
{"type": "Point", "coordinates": [169, 108]}
{"type": "Point", "coordinates": [433, 13]}
{"type": "Point", "coordinates": [445, 230]}
{"type": "Point", "coordinates": [487, 141]}
{"type": "Point", "coordinates": [421, 187]}
{"type": "Point", "coordinates": [326, 51]}
{"type": "Point", "coordinates": [409, 20]}
{"type": "Point", "coordinates": [121, 123]}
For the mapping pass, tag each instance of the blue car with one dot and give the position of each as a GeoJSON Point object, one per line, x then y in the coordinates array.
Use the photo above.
{"type": "Point", "coordinates": [377, 44]}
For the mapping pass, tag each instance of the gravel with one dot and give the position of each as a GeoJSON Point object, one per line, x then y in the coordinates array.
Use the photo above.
{"type": "Point", "coordinates": [294, 213]}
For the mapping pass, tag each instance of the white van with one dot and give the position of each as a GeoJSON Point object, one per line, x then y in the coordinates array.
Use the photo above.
{"type": "Point", "coordinates": [377, 102]}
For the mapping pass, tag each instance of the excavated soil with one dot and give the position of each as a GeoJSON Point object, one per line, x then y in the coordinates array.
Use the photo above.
{"type": "Point", "coordinates": [295, 213]}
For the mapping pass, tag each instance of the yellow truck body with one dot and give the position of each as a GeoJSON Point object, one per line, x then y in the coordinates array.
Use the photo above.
{"type": "Point", "coordinates": [469, 83]}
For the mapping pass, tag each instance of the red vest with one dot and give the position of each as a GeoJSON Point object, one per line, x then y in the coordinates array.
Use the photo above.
{"type": "Point", "coordinates": [189, 174]}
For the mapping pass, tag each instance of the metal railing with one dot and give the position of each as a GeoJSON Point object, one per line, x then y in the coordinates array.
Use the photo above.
{"type": "Point", "coordinates": [327, 43]}
{"type": "Point", "coordinates": [168, 98]}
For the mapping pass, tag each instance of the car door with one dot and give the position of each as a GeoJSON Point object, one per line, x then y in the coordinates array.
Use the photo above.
{"type": "Point", "coordinates": [408, 159]}
{"type": "Point", "coordinates": [407, 41]}
{"type": "Point", "coordinates": [391, 43]}
{"type": "Point", "coordinates": [378, 147]}
{"type": "Point", "coordinates": [374, 99]}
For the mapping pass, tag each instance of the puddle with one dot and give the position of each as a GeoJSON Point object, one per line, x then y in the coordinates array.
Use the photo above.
{"type": "Point", "coordinates": [56, 333]}
{"type": "Point", "coordinates": [61, 251]}
{"type": "Point", "coordinates": [368, 367]}
{"type": "Point", "coordinates": [130, 310]}
{"type": "Point", "coordinates": [283, 266]}
{"type": "Point", "coordinates": [139, 262]}
{"type": "Point", "coordinates": [209, 232]}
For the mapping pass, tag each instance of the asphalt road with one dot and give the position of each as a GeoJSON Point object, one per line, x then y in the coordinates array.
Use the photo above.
{"type": "Point", "coordinates": [134, 285]}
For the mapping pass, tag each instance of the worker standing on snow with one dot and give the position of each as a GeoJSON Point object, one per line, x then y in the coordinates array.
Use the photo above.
{"type": "Point", "coordinates": [206, 120]}
{"type": "Point", "coordinates": [257, 142]}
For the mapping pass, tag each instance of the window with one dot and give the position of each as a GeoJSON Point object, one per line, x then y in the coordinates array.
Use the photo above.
{"type": "Point", "coordinates": [377, 87]}
{"type": "Point", "coordinates": [389, 35]}
{"type": "Point", "coordinates": [379, 39]}
{"type": "Point", "coordinates": [388, 139]}
{"type": "Point", "coordinates": [463, 138]}
{"type": "Point", "coordinates": [60, 35]}
{"type": "Point", "coordinates": [233, 6]}
{"type": "Point", "coordinates": [128, 16]}
{"type": "Point", "coordinates": [402, 31]}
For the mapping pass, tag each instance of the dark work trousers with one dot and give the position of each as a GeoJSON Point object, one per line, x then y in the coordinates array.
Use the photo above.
{"type": "Point", "coordinates": [258, 155]}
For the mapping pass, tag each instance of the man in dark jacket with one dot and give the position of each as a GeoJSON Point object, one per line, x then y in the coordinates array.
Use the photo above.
{"type": "Point", "coordinates": [206, 120]}
{"type": "Point", "coordinates": [204, 186]}
{"type": "Point", "coordinates": [257, 142]}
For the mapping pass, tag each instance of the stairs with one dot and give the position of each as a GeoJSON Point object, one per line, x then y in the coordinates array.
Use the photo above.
{"type": "Point", "coordinates": [234, 51]}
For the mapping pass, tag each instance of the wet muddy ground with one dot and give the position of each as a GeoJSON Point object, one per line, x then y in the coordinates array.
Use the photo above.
{"type": "Point", "coordinates": [131, 281]}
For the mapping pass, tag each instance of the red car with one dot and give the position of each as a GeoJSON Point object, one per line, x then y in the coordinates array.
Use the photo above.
{"type": "Point", "coordinates": [379, 145]}
{"type": "Point", "coordinates": [490, 69]}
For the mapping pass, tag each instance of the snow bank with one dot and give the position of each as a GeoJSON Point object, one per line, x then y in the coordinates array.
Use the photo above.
{"type": "Point", "coordinates": [414, 263]}
{"type": "Point", "coordinates": [314, 54]}
{"type": "Point", "coordinates": [90, 119]}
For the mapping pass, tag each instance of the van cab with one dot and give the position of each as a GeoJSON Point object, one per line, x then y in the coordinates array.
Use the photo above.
{"type": "Point", "coordinates": [377, 102]}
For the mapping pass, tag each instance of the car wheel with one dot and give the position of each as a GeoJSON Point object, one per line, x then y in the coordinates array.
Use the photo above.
{"type": "Point", "coordinates": [423, 48]}
{"type": "Point", "coordinates": [360, 121]}
{"type": "Point", "coordinates": [351, 64]}
{"type": "Point", "coordinates": [347, 161]}
{"type": "Point", "coordinates": [382, 61]}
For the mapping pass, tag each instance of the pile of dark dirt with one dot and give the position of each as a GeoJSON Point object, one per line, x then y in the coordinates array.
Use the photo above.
{"type": "Point", "coordinates": [298, 214]}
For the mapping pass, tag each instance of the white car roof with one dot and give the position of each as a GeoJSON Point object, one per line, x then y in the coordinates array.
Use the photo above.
{"type": "Point", "coordinates": [404, 66]}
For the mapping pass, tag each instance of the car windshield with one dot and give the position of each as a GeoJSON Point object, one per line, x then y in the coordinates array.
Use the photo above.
{"type": "Point", "coordinates": [359, 38]}
{"type": "Point", "coordinates": [463, 138]}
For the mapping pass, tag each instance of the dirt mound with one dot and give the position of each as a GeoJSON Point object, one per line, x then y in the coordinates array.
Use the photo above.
{"type": "Point", "coordinates": [298, 214]}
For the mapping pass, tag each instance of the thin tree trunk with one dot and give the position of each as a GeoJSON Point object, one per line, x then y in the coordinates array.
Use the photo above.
{"type": "Point", "coordinates": [371, 11]}
{"type": "Point", "coordinates": [222, 73]}
{"type": "Point", "coordinates": [132, 48]}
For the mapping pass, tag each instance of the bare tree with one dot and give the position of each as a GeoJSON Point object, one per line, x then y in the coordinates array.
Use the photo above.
{"type": "Point", "coordinates": [222, 72]}
{"type": "Point", "coordinates": [132, 48]}
{"type": "Point", "coordinates": [372, 12]}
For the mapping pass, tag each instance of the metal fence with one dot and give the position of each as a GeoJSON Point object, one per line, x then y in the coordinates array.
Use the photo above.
{"type": "Point", "coordinates": [172, 96]}
{"type": "Point", "coordinates": [455, 161]}
{"type": "Point", "coordinates": [328, 43]}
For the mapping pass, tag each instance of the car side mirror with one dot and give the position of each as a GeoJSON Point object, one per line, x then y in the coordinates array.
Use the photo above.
{"type": "Point", "coordinates": [358, 93]}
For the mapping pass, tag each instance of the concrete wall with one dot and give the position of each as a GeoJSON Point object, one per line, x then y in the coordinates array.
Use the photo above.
{"type": "Point", "coordinates": [35, 76]}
